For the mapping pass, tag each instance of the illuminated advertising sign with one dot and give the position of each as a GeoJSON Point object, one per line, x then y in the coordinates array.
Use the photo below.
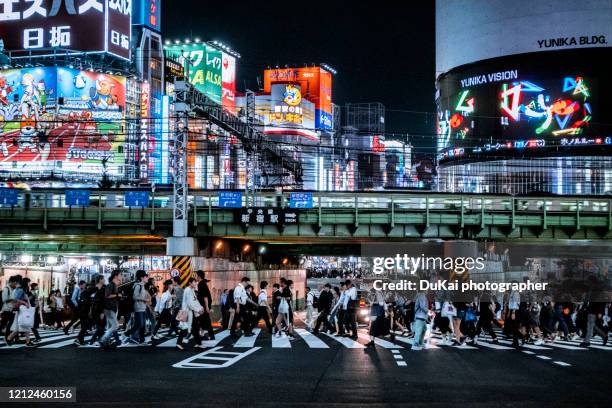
{"type": "Point", "coordinates": [145, 124]}
{"type": "Point", "coordinates": [78, 25]}
{"type": "Point", "coordinates": [316, 86]}
{"type": "Point", "coordinates": [61, 121]}
{"type": "Point", "coordinates": [204, 64]}
{"type": "Point", "coordinates": [228, 81]}
{"type": "Point", "coordinates": [148, 13]}
{"type": "Point", "coordinates": [287, 112]}
{"type": "Point", "coordinates": [514, 98]}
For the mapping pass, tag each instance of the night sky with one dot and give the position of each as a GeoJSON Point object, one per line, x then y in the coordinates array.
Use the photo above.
{"type": "Point", "coordinates": [382, 53]}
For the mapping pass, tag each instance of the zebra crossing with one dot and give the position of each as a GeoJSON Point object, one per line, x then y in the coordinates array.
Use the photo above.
{"type": "Point", "coordinates": [53, 339]}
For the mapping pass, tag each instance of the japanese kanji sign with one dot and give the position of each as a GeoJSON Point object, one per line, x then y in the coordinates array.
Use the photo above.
{"type": "Point", "coordinates": [77, 25]}
{"type": "Point", "coordinates": [267, 216]}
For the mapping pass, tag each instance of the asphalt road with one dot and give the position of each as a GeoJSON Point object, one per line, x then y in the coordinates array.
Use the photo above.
{"type": "Point", "coordinates": [299, 375]}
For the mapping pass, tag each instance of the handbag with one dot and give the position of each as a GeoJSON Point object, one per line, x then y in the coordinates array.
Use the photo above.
{"type": "Point", "coordinates": [283, 307]}
{"type": "Point", "coordinates": [449, 310]}
{"type": "Point", "coordinates": [182, 315]}
{"type": "Point", "coordinates": [25, 318]}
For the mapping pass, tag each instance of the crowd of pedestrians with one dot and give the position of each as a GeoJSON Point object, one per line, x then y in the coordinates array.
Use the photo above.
{"type": "Point", "coordinates": [99, 306]}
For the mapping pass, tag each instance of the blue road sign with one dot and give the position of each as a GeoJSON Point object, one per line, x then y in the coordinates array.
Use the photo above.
{"type": "Point", "coordinates": [8, 196]}
{"type": "Point", "coordinates": [77, 198]}
{"type": "Point", "coordinates": [230, 199]}
{"type": "Point", "coordinates": [300, 200]}
{"type": "Point", "coordinates": [136, 198]}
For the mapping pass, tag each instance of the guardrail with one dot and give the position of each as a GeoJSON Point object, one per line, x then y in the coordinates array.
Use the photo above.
{"type": "Point", "coordinates": [339, 200]}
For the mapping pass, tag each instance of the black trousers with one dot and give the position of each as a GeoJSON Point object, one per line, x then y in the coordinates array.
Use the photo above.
{"type": "Point", "coordinates": [206, 324]}
{"type": "Point", "coordinates": [195, 330]}
{"type": "Point", "coordinates": [341, 321]}
{"type": "Point", "coordinates": [6, 322]}
{"type": "Point", "coordinates": [351, 321]}
{"type": "Point", "coordinates": [86, 324]}
{"type": "Point", "coordinates": [243, 318]}
{"type": "Point", "coordinates": [485, 324]}
{"type": "Point", "coordinates": [165, 317]}
{"type": "Point", "coordinates": [323, 318]}
{"type": "Point", "coordinates": [262, 313]}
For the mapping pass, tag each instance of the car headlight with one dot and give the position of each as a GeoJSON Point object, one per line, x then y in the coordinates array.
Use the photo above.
{"type": "Point", "coordinates": [363, 312]}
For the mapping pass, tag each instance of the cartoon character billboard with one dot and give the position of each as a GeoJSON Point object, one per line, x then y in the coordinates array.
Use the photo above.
{"type": "Point", "coordinates": [60, 121]}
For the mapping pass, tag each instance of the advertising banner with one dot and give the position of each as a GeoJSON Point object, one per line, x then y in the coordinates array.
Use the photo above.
{"type": "Point", "coordinates": [204, 64]}
{"type": "Point", "coordinates": [76, 25]}
{"type": "Point", "coordinates": [60, 121]}
{"type": "Point", "coordinates": [148, 13]}
{"type": "Point", "coordinates": [228, 74]}
{"type": "Point", "coordinates": [286, 112]}
{"type": "Point", "coordinates": [315, 84]}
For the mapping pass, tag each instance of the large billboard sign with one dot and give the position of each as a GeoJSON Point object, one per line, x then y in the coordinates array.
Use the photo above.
{"type": "Point", "coordinates": [286, 112]}
{"type": "Point", "coordinates": [204, 65]}
{"type": "Point", "coordinates": [93, 26]}
{"type": "Point", "coordinates": [514, 103]}
{"type": "Point", "coordinates": [148, 13]}
{"type": "Point", "coordinates": [315, 84]}
{"type": "Point", "coordinates": [61, 122]}
{"type": "Point", "coordinates": [228, 80]}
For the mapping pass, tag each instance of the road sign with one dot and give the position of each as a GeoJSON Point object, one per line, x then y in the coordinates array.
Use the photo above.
{"type": "Point", "coordinates": [230, 199]}
{"type": "Point", "coordinates": [175, 272]}
{"type": "Point", "coordinates": [136, 198]}
{"type": "Point", "coordinates": [8, 196]}
{"type": "Point", "coordinates": [77, 198]}
{"type": "Point", "coordinates": [300, 200]}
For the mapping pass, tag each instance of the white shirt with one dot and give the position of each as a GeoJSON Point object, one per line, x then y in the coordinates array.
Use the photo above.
{"type": "Point", "coordinates": [341, 300]}
{"type": "Point", "coordinates": [349, 294]}
{"type": "Point", "coordinates": [165, 302]}
{"type": "Point", "coordinates": [240, 295]}
{"type": "Point", "coordinates": [309, 299]}
{"type": "Point", "coordinates": [263, 298]}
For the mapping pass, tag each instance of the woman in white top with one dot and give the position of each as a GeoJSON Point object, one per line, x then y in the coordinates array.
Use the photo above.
{"type": "Point", "coordinates": [163, 308]}
{"type": "Point", "coordinates": [190, 309]}
{"type": "Point", "coordinates": [263, 309]}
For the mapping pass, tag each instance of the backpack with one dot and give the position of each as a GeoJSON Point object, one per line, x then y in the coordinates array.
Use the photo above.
{"type": "Point", "coordinates": [315, 300]}
{"type": "Point", "coordinates": [230, 299]}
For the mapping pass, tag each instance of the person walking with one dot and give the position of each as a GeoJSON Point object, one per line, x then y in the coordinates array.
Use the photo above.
{"type": "Point", "coordinates": [163, 308]}
{"type": "Point", "coordinates": [6, 318]}
{"type": "Point", "coordinates": [240, 298]}
{"type": "Point", "coordinates": [378, 309]}
{"type": "Point", "coordinates": [177, 303]}
{"type": "Point", "coordinates": [111, 302]}
{"type": "Point", "coordinates": [96, 311]}
{"type": "Point", "coordinates": [21, 305]}
{"type": "Point", "coordinates": [309, 308]}
{"type": "Point", "coordinates": [350, 306]}
{"type": "Point", "coordinates": [421, 314]}
{"type": "Point", "coordinates": [35, 302]}
{"type": "Point", "coordinates": [205, 299]}
{"type": "Point", "coordinates": [326, 299]}
{"type": "Point", "coordinates": [84, 311]}
{"type": "Point", "coordinates": [190, 310]}
{"type": "Point", "coordinates": [141, 298]}
{"type": "Point", "coordinates": [263, 309]}
{"type": "Point", "coordinates": [74, 305]}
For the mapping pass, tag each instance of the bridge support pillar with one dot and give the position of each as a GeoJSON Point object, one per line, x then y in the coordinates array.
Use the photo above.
{"type": "Point", "coordinates": [182, 246]}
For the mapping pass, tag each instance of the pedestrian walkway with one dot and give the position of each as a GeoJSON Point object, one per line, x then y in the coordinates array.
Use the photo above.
{"type": "Point", "coordinates": [53, 339]}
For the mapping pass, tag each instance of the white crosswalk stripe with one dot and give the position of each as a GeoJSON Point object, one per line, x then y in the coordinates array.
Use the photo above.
{"type": "Point", "coordinates": [245, 341]}
{"type": "Point", "coordinates": [346, 342]}
{"type": "Point", "coordinates": [312, 340]}
{"type": "Point", "coordinates": [281, 341]}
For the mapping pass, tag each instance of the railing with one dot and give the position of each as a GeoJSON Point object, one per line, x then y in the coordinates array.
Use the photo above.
{"type": "Point", "coordinates": [428, 202]}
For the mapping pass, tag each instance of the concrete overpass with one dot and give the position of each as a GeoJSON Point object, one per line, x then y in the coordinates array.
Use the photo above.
{"type": "Point", "coordinates": [41, 221]}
